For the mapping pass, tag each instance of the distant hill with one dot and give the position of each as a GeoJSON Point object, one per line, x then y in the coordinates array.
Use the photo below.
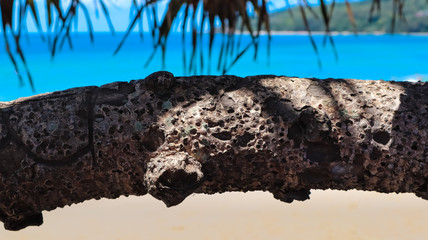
{"type": "Point", "coordinates": [416, 13]}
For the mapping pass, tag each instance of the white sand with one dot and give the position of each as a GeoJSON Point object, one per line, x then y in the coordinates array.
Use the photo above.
{"type": "Point", "coordinates": [328, 215]}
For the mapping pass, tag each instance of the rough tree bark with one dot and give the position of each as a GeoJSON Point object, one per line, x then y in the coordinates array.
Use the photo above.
{"type": "Point", "coordinates": [174, 136]}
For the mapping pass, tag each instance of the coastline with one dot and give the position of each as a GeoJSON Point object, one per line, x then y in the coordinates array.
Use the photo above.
{"type": "Point", "coordinates": [342, 33]}
{"type": "Point", "coordinates": [273, 33]}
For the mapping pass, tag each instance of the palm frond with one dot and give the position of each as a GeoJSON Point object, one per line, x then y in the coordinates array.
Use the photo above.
{"type": "Point", "coordinates": [229, 18]}
{"type": "Point", "coordinates": [351, 16]}
{"type": "Point", "coordinates": [7, 13]}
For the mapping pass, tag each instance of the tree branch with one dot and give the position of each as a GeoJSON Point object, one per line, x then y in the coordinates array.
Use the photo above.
{"type": "Point", "coordinates": [174, 136]}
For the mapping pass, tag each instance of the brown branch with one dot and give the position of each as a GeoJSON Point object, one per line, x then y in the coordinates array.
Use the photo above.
{"type": "Point", "coordinates": [174, 136]}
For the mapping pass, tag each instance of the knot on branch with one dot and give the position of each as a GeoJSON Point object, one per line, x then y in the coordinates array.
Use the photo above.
{"type": "Point", "coordinates": [160, 81]}
{"type": "Point", "coordinates": [173, 177]}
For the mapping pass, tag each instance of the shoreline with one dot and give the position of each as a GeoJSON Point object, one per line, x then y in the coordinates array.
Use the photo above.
{"type": "Point", "coordinates": [342, 33]}
{"type": "Point", "coordinates": [323, 33]}
{"type": "Point", "coordinates": [280, 33]}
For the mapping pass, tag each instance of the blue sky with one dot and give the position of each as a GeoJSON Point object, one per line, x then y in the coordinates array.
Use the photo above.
{"type": "Point", "coordinates": [119, 11]}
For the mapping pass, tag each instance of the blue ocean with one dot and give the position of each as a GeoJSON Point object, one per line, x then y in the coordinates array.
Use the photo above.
{"type": "Point", "coordinates": [387, 57]}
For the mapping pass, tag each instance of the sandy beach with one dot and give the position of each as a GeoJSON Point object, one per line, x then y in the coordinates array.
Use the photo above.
{"type": "Point", "coordinates": [328, 215]}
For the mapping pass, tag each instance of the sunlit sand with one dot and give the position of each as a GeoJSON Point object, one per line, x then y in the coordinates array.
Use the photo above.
{"type": "Point", "coordinates": [328, 215]}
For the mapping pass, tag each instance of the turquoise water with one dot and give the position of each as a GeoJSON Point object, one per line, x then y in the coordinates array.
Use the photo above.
{"type": "Point", "coordinates": [399, 57]}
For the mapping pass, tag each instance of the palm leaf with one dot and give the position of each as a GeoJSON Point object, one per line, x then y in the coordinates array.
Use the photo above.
{"type": "Point", "coordinates": [6, 10]}
{"type": "Point", "coordinates": [107, 16]}
{"type": "Point", "coordinates": [351, 17]}
{"type": "Point", "coordinates": [56, 5]}
{"type": "Point", "coordinates": [88, 21]}
{"type": "Point", "coordinates": [375, 7]}
{"type": "Point", "coordinates": [308, 29]}
{"type": "Point", "coordinates": [223, 15]}
{"type": "Point", "coordinates": [131, 26]}
{"type": "Point", "coordinates": [33, 8]}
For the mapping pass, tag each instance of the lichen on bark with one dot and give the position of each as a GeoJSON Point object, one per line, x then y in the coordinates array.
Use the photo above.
{"type": "Point", "coordinates": [173, 136]}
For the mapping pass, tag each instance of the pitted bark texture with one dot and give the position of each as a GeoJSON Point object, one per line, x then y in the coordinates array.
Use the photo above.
{"type": "Point", "coordinates": [174, 136]}
{"type": "Point", "coordinates": [171, 177]}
